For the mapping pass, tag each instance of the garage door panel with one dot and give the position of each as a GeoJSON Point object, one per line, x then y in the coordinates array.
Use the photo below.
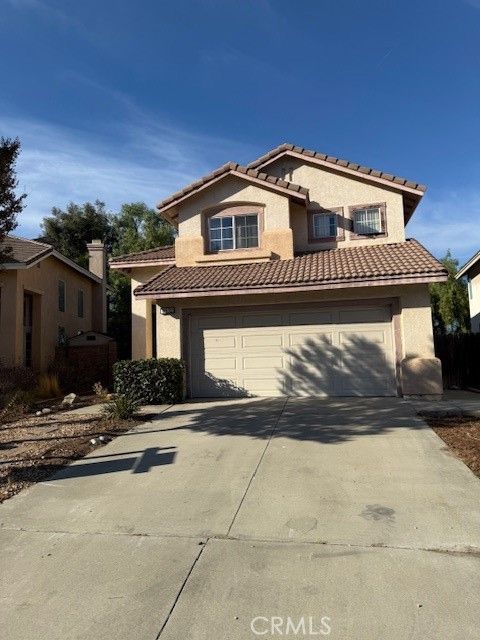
{"type": "Point", "coordinates": [359, 316]}
{"type": "Point", "coordinates": [263, 362]}
{"type": "Point", "coordinates": [219, 341]}
{"type": "Point", "coordinates": [262, 341]}
{"type": "Point", "coordinates": [350, 352]}
{"type": "Point", "coordinates": [310, 339]}
{"type": "Point", "coordinates": [261, 320]}
{"type": "Point", "coordinates": [310, 318]}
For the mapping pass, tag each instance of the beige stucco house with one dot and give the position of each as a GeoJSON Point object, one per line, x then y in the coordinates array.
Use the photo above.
{"type": "Point", "coordinates": [291, 276]}
{"type": "Point", "coordinates": [471, 270]}
{"type": "Point", "coordinates": [46, 298]}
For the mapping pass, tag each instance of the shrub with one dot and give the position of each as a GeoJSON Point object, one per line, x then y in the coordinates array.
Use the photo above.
{"type": "Point", "coordinates": [122, 407]}
{"type": "Point", "coordinates": [17, 404]}
{"type": "Point", "coordinates": [48, 386]}
{"type": "Point", "coordinates": [152, 381]}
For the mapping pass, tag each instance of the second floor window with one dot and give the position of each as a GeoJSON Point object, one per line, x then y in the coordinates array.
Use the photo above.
{"type": "Point", "coordinates": [367, 222]}
{"type": "Point", "coordinates": [61, 295]}
{"type": "Point", "coordinates": [233, 232]}
{"type": "Point", "coordinates": [324, 225]}
{"type": "Point", "coordinates": [80, 303]}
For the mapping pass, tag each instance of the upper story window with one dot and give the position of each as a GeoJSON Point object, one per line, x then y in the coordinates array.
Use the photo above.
{"type": "Point", "coordinates": [234, 228]}
{"type": "Point", "coordinates": [61, 295]}
{"type": "Point", "coordinates": [324, 225]}
{"type": "Point", "coordinates": [368, 220]}
{"type": "Point", "coordinates": [80, 303]}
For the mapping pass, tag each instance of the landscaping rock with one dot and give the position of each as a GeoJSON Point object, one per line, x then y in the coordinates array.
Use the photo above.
{"type": "Point", "coordinates": [69, 400]}
{"type": "Point", "coordinates": [46, 411]}
{"type": "Point", "coordinates": [38, 413]}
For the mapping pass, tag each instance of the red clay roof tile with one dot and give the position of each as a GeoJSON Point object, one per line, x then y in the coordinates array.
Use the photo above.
{"type": "Point", "coordinates": [364, 263]}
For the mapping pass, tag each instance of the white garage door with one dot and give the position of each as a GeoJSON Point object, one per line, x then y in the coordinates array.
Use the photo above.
{"type": "Point", "coordinates": [325, 352]}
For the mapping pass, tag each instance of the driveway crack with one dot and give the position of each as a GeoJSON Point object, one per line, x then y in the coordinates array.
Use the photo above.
{"type": "Point", "coordinates": [177, 598]}
{"type": "Point", "coordinates": [270, 438]}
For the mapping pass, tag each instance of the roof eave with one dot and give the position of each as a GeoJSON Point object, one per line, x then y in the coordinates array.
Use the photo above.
{"type": "Point", "coordinates": [143, 263]}
{"type": "Point", "coordinates": [463, 271]}
{"type": "Point", "coordinates": [316, 286]}
{"type": "Point", "coordinates": [269, 186]}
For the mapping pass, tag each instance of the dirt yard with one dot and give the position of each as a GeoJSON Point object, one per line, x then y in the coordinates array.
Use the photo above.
{"type": "Point", "coordinates": [462, 435]}
{"type": "Point", "coordinates": [33, 448]}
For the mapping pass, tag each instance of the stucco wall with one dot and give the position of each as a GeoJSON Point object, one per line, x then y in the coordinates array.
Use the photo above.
{"type": "Point", "coordinates": [331, 189]}
{"type": "Point", "coordinates": [474, 299]}
{"type": "Point", "coordinates": [415, 314]}
{"type": "Point", "coordinates": [142, 316]}
{"type": "Point", "coordinates": [42, 281]}
{"type": "Point", "coordinates": [276, 238]}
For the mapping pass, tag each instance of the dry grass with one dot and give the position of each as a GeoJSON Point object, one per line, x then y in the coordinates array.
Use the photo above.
{"type": "Point", "coordinates": [33, 448]}
{"type": "Point", "coordinates": [462, 435]}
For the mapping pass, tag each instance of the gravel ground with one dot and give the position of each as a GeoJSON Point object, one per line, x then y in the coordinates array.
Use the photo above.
{"type": "Point", "coordinates": [462, 435]}
{"type": "Point", "coordinates": [33, 448]}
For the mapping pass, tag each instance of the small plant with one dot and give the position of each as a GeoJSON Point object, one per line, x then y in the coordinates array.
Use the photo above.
{"type": "Point", "coordinates": [19, 403]}
{"type": "Point", "coordinates": [100, 391]}
{"type": "Point", "coordinates": [122, 407]}
{"type": "Point", "coordinates": [48, 386]}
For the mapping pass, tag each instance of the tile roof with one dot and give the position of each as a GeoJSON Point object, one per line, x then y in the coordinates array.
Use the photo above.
{"type": "Point", "coordinates": [24, 251]}
{"type": "Point", "coordinates": [308, 153]}
{"type": "Point", "coordinates": [231, 167]}
{"type": "Point", "coordinates": [368, 263]}
{"type": "Point", "coordinates": [159, 254]}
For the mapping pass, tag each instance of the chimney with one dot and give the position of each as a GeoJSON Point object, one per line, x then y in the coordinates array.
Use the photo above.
{"type": "Point", "coordinates": [97, 264]}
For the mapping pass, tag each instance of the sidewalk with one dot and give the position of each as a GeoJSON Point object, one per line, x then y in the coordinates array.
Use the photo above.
{"type": "Point", "coordinates": [454, 403]}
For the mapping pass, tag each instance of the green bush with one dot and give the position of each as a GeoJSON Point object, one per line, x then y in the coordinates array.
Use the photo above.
{"type": "Point", "coordinates": [152, 381]}
{"type": "Point", "coordinates": [122, 407]}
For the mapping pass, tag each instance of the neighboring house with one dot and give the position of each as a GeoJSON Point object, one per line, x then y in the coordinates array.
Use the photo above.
{"type": "Point", "coordinates": [471, 270]}
{"type": "Point", "coordinates": [291, 276]}
{"type": "Point", "coordinates": [46, 298]}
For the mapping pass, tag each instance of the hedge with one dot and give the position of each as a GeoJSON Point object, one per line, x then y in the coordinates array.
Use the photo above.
{"type": "Point", "coordinates": [152, 381]}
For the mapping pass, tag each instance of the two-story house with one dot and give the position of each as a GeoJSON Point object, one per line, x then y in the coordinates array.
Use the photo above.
{"type": "Point", "coordinates": [291, 276]}
{"type": "Point", "coordinates": [46, 298]}
{"type": "Point", "coordinates": [471, 271]}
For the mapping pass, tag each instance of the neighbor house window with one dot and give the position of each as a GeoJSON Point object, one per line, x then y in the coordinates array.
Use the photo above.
{"type": "Point", "coordinates": [369, 220]}
{"type": "Point", "coordinates": [61, 295]}
{"type": "Point", "coordinates": [233, 232]}
{"type": "Point", "coordinates": [324, 225]}
{"type": "Point", "coordinates": [80, 303]}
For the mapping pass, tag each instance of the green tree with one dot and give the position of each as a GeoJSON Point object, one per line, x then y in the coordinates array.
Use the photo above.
{"type": "Point", "coordinates": [449, 299]}
{"type": "Point", "coordinates": [71, 229]}
{"type": "Point", "coordinates": [10, 203]}
{"type": "Point", "coordinates": [135, 228]}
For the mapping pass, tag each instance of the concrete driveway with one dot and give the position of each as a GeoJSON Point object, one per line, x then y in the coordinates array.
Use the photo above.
{"type": "Point", "coordinates": [250, 518]}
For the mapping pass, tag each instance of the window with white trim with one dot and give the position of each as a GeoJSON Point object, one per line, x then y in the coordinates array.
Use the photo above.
{"type": "Point", "coordinates": [367, 221]}
{"type": "Point", "coordinates": [324, 225]}
{"type": "Point", "coordinates": [233, 232]}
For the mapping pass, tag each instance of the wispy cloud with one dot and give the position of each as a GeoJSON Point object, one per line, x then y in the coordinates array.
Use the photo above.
{"type": "Point", "coordinates": [449, 221]}
{"type": "Point", "coordinates": [146, 163]}
{"type": "Point", "coordinates": [473, 3]}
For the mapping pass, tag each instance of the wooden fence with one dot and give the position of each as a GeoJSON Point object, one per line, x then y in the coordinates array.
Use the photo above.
{"type": "Point", "coordinates": [460, 356]}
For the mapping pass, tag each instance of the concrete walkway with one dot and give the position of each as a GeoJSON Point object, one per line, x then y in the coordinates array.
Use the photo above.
{"type": "Point", "coordinates": [217, 516]}
{"type": "Point", "coordinates": [454, 403]}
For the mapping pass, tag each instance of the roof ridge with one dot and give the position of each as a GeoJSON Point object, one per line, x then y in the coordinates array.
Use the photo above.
{"type": "Point", "coordinates": [309, 153]}
{"type": "Point", "coordinates": [139, 253]}
{"type": "Point", "coordinates": [41, 244]}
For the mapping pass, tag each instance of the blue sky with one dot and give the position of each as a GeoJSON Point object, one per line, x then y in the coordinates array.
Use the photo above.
{"type": "Point", "coordinates": [128, 101]}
